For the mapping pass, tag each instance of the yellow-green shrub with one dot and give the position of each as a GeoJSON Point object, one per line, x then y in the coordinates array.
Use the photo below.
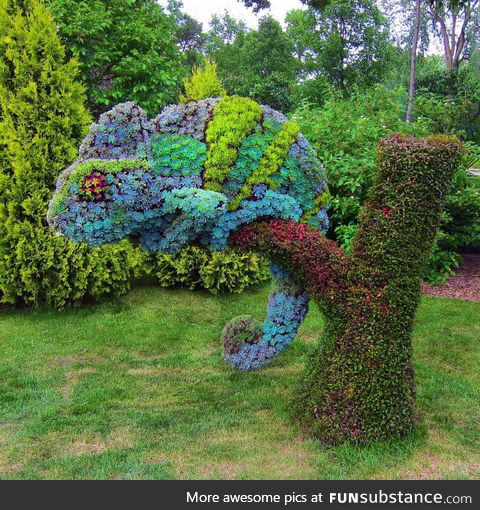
{"type": "Point", "coordinates": [203, 83]}
{"type": "Point", "coordinates": [196, 267]}
{"type": "Point", "coordinates": [42, 121]}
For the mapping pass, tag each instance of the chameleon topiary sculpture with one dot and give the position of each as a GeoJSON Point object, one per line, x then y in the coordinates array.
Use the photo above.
{"type": "Point", "coordinates": [196, 173]}
{"type": "Point", "coordinates": [230, 170]}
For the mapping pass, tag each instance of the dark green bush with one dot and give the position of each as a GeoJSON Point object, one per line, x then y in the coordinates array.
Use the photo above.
{"type": "Point", "coordinates": [449, 101]}
{"type": "Point", "coordinates": [42, 121]}
{"type": "Point", "coordinates": [196, 267]}
{"type": "Point", "coordinates": [126, 49]}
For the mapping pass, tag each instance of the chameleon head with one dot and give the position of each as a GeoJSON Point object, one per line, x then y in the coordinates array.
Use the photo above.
{"type": "Point", "coordinates": [101, 202]}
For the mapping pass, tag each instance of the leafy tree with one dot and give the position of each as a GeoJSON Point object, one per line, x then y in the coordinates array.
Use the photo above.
{"type": "Point", "coordinates": [411, 31]}
{"type": "Point", "coordinates": [258, 64]}
{"type": "Point", "coordinates": [203, 83]}
{"type": "Point", "coordinates": [453, 19]}
{"type": "Point", "coordinates": [127, 50]}
{"type": "Point", "coordinates": [347, 42]}
{"type": "Point", "coordinates": [456, 23]}
{"type": "Point", "coordinates": [189, 35]}
{"type": "Point", "coordinates": [223, 42]}
{"type": "Point", "coordinates": [42, 120]}
{"type": "Point", "coordinates": [224, 30]}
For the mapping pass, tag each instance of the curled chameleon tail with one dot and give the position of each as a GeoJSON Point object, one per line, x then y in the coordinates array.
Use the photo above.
{"type": "Point", "coordinates": [194, 174]}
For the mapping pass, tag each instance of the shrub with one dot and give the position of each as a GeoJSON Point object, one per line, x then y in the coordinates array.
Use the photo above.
{"type": "Point", "coordinates": [203, 83]}
{"type": "Point", "coordinates": [196, 268]}
{"type": "Point", "coordinates": [460, 226]}
{"type": "Point", "coordinates": [42, 120]}
{"type": "Point", "coordinates": [449, 100]}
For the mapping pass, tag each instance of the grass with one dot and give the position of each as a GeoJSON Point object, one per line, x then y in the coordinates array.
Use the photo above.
{"type": "Point", "coordinates": [138, 389]}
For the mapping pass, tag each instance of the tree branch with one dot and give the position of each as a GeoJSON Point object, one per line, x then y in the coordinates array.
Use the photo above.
{"type": "Point", "coordinates": [446, 44]}
{"type": "Point", "coordinates": [461, 39]}
{"type": "Point", "coordinates": [318, 262]}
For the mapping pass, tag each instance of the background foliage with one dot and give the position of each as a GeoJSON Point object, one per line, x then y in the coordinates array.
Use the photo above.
{"type": "Point", "coordinates": [127, 50]}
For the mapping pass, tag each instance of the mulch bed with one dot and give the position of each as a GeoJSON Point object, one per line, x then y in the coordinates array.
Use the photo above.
{"type": "Point", "coordinates": [464, 285]}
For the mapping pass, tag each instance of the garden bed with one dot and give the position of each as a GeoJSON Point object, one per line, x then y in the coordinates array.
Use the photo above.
{"type": "Point", "coordinates": [464, 285]}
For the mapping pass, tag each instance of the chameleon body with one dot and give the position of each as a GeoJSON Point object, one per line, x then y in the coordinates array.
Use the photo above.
{"type": "Point", "coordinates": [194, 174]}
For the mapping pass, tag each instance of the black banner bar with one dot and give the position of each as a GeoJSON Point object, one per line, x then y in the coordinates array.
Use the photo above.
{"type": "Point", "coordinates": [266, 495]}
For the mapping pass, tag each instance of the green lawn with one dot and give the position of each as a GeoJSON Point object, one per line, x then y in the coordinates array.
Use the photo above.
{"type": "Point", "coordinates": [138, 389]}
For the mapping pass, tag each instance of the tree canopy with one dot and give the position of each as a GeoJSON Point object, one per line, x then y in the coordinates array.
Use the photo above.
{"type": "Point", "coordinates": [259, 63]}
{"type": "Point", "coordinates": [127, 50]}
{"type": "Point", "coordinates": [347, 42]}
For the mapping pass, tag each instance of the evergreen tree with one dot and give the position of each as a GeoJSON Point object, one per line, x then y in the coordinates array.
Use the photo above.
{"type": "Point", "coordinates": [42, 121]}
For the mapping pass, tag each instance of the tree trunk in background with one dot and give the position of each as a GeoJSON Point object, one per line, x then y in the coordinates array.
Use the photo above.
{"type": "Point", "coordinates": [413, 67]}
{"type": "Point", "coordinates": [461, 14]}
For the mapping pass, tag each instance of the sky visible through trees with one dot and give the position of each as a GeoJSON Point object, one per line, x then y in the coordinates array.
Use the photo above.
{"type": "Point", "coordinates": [204, 10]}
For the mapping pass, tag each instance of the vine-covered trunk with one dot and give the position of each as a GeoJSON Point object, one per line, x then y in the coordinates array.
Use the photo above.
{"type": "Point", "coordinates": [359, 382]}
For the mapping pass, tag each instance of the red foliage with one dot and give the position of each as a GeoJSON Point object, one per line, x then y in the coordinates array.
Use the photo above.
{"type": "Point", "coordinates": [300, 249]}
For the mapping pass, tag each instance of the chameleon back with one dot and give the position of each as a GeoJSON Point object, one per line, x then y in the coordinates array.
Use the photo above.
{"type": "Point", "coordinates": [243, 149]}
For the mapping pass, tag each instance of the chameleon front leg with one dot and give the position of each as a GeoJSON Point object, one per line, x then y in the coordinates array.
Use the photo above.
{"type": "Point", "coordinates": [194, 211]}
{"type": "Point", "coordinates": [249, 346]}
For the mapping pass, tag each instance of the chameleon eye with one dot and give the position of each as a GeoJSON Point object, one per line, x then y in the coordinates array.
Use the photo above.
{"type": "Point", "coordinates": [94, 188]}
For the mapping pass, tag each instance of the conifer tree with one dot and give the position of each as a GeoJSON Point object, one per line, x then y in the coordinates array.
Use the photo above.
{"type": "Point", "coordinates": [203, 83]}
{"type": "Point", "coordinates": [42, 121]}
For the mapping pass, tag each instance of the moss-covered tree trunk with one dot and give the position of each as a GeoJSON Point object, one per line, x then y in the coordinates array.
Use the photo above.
{"type": "Point", "coordinates": [359, 382]}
